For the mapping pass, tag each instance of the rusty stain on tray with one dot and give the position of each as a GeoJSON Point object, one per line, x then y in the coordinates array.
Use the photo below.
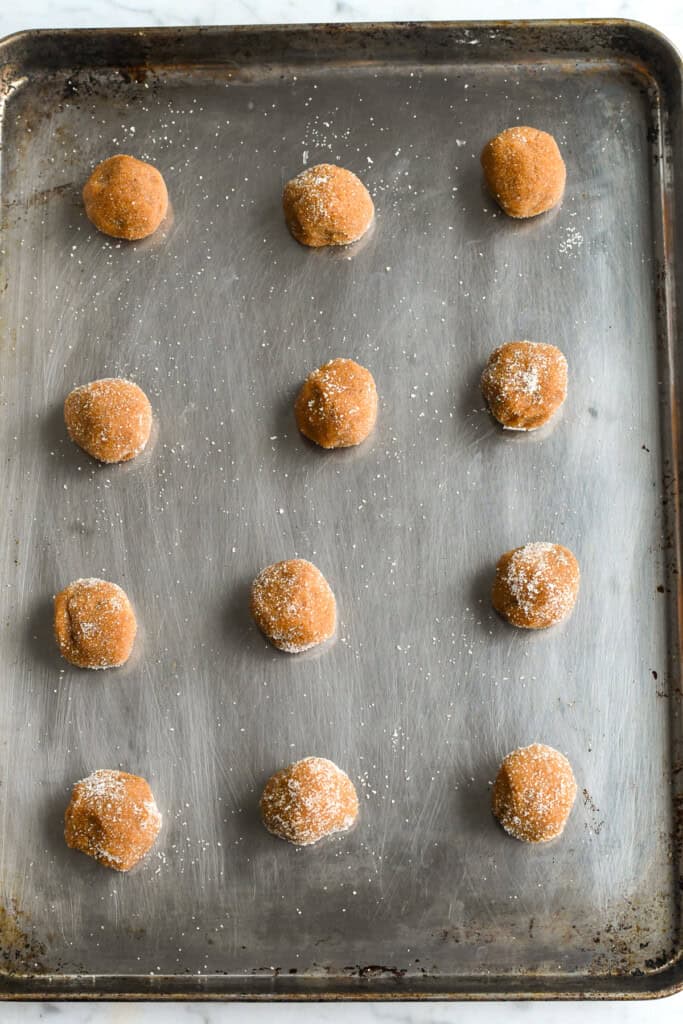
{"type": "Point", "coordinates": [20, 952]}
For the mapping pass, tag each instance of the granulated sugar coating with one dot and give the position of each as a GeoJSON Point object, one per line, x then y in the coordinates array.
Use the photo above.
{"type": "Point", "coordinates": [125, 198]}
{"type": "Point", "coordinates": [337, 405]}
{"type": "Point", "coordinates": [308, 800]}
{"type": "Point", "coordinates": [113, 818]}
{"type": "Point", "coordinates": [327, 205]}
{"type": "Point", "coordinates": [292, 603]}
{"type": "Point", "coordinates": [534, 793]}
{"type": "Point", "coordinates": [536, 586]}
{"type": "Point", "coordinates": [110, 419]}
{"type": "Point", "coordinates": [94, 624]}
{"type": "Point", "coordinates": [525, 383]}
{"type": "Point", "coordinates": [524, 171]}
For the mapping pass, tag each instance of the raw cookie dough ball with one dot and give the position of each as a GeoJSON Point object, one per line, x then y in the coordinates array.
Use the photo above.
{"type": "Point", "coordinates": [125, 198]}
{"type": "Point", "coordinates": [534, 793]}
{"type": "Point", "coordinates": [94, 624]}
{"type": "Point", "coordinates": [327, 205]}
{"type": "Point", "coordinates": [525, 383]}
{"type": "Point", "coordinates": [337, 405]}
{"type": "Point", "coordinates": [113, 818]}
{"type": "Point", "coordinates": [524, 171]}
{"type": "Point", "coordinates": [536, 585]}
{"type": "Point", "coordinates": [110, 419]}
{"type": "Point", "coordinates": [308, 800]}
{"type": "Point", "coordinates": [292, 603]}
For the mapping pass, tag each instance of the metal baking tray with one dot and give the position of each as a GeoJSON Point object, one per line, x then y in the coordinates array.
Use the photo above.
{"type": "Point", "coordinates": [219, 319]}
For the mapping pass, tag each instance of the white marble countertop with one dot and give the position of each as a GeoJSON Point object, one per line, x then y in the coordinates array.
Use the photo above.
{"type": "Point", "coordinates": [667, 16]}
{"type": "Point", "coordinates": [665, 1011]}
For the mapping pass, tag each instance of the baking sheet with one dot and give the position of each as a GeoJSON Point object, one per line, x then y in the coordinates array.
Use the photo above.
{"type": "Point", "coordinates": [425, 690]}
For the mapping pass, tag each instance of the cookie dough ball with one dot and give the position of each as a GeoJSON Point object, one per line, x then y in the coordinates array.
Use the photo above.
{"type": "Point", "coordinates": [327, 205]}
{"type": "Point", "coordinates": [292, 603]}
{"type": "Point", "coordinates": [524, 171]}
{"type": "Point", "coordinates": [113, 818]}
{"type": "Point", "coordinates": [536, 585]}
{"type": "Point", "coordinates": [534, 793]}
{"type": "Point", "coordinates": [311, 799]}
{"type": "Point", "coordinates": [94, 624]}
{"type": "Point", "coordinates": [125, 198]}
{"type": "Point", "coordinates": [525, 383]}
{"type": "Point", "coordinates": [110, 419]}
{"type": "Point", "coordinates": [337, 405]}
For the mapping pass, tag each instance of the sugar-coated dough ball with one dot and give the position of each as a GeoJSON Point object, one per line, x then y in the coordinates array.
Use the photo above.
{"type": "Point", "coordinates": [125, 197]}
{"type": "Point", "coordinates": [110, 419]}
{"type": "Point", "coordinates": [292, 603]}
{"type": "Point", "coordinates": [536, 586]}
{"type": "Point", "coordinates": [525, 383]}
{"type": "Point", "coordinates": [524, 171]}
{"type": "Point", "coordinates": [309, 800]}
{"type": "Point", "coordinates": [113, 818]}
{"type": "Point", "coordinates": [534, 793]}
{"type": "Point", "coordinates": [94, 624]}
{"type": "Point", "coordinates": [337, 404]}
{"type": "Point", "coordinates": [327, 205]}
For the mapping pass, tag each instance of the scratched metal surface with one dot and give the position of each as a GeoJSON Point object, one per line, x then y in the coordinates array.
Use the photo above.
{"type": "Point", "coordinates": [219, 318]}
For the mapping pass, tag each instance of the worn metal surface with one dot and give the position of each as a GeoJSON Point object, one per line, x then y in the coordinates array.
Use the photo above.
{"type": "Point", "coordinates": [219, 318]}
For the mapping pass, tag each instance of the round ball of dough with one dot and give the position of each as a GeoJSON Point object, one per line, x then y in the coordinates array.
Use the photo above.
{"type": "Point", "coordinates": [327, 205]}
{"type": "Point", "coordinates": [125, 198]}
{"type": "Point", "coordinates": [337, 404]}
{"type": "Point", "coordinates": [309, 800]}
{"type": "Point", "coordinates": [110, 419]}
{"type": "Point", "coordinates": [534, 793]}
{"type": "Point", "coordinates": [536, 585]}
{"type": "Point", "coordinates": [113, 818]}
{"type": "Point", "coordinates": [292, 603]}
{"type": "Point", "coordinates": [94, 624]}
{"type": "Point", "coordinates": [524, 171]}
{"type": "Point", "coordinates": [525, 383]}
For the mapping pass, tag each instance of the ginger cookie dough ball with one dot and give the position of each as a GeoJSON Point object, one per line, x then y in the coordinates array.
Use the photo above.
{"type": "Point", "coordinates": [327, 205]}
{"type": "Point", "coordinates": [337, 405]}
{"type": "Point", "coordinates": [524, 171]}
{"type": "Point", "coordinates": [94, 624]}
{"type": "Point", "coordinates": [113, 818]}
{"type": "Point", "coordinates": [292, 603]}
{"type": "Point", "coordinates": [125, 198]}
{"type": "Point", "coordinates": [525, 383]}
{"type": "Point", "coordinates": [110, 419]}
{"type": "Point", "coordinates": [536, 586]}
{"type": "Point", "coordinates": [309, 800]}
{"type": "Point", "coordinates": [534, 793]}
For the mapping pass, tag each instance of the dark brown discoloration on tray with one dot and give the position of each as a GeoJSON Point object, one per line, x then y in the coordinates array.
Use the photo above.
{"type": "Point", "coordinates": [20, 952]}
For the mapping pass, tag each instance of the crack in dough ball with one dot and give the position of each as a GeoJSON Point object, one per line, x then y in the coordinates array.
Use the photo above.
{"type": "Point", "coordinates": [525, 383]}
{"type": "Point", "coordinates": [113, 818]}
{"type": "Point", "coordinates": [308, 800]}
{"type": "Point", "coordinates": [94, 624]}
{"type": "Point", "coordinates": [110, 419]}
{"type": "Point", "coordinates": [524, 171]}
{"type": "Point", "coordinates": [293, 604]}
{"type": "Point", "coordinates": [536, 586]}
{"type": "Point", "coordinates": [337, 405]}
{"type": "Point", "coordinates": [125, 198]}
{"type": "Point", "coordinates": [327, 205]}
{"type": "Point", "coordinates": [534, 793]}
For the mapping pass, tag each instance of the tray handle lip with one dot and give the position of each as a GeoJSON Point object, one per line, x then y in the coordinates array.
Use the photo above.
{"type": "Point", "coordinates": [650, 49]}
{"type": "Point", "coordinates": [638, 28]}
{"type": "Point", "coordinates": [665, 982]}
